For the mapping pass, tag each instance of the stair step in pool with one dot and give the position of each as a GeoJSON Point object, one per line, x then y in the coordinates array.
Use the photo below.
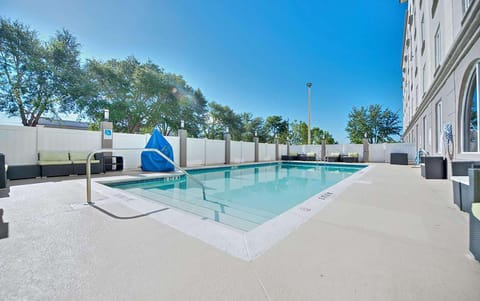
{"type": "Point", "coordinates": [224, 218]}
{"type": "Point", "coordinates": [196, 194]}
{"type": "Point", "coordinates": [193, 198]}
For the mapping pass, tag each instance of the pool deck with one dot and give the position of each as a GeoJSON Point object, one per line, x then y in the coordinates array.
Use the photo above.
{"type": "Point", "coordinates": [392, 235]}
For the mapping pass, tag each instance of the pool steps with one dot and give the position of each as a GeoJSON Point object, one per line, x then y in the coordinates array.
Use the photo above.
{"type": "Point", "coordinates": [240, 218]}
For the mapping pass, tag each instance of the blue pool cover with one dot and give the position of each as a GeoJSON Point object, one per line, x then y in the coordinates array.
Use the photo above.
{"type": "Point", "coordinates": [154, 162]}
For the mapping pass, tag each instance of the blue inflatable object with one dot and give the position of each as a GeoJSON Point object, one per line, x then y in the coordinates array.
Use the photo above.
{"type": "Point", "coordinates": [152, 161]}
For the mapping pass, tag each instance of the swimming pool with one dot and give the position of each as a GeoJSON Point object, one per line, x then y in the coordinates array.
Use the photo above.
{"type": "Point", "coordinates": [242, 197]}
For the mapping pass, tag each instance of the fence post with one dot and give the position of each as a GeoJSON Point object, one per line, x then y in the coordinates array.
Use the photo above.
{"type": "Point", "coordinates": [365, 150]}
{"type": "Point", "coordinates": [324, 150]}
{"type": "Point", "coordinates": [182, 134]}
{"type": "Point", "coordinates": [106, 128]}
{"type": "Point", "coordinates": [277, 157]}
{"type": "Point", "coordinates": [227, 139]}
{"type": "Point", "coordinates": [255, 140]}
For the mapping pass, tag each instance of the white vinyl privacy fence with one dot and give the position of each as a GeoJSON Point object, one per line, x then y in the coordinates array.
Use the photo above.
{"type": "Point", "coordinates": [22, 144]}
{"type": "Point", "coordinates": [376, 152]}
{"type": "Point", "coordinates": [241, 152]}
{"type": "Point", "coordinates": [381, 152]}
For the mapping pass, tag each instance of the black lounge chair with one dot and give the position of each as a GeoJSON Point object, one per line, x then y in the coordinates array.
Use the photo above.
{"type": "Point", "coordinates": [350, 158]}
{"type": "Point", "coordinates": [290, 156]}
{"type": "Point", "coordinates": [333, 157]}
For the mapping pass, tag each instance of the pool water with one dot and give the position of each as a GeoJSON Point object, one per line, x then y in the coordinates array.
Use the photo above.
{"type": "Point", "coordinates": [242, 196]}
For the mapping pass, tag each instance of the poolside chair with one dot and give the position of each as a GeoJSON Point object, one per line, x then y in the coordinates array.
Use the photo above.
{"type": "Point", "coordinates": [350, 158]}
{"type": "Point", "coordinates": [333, 157]}
{"type": "Point", "coordinates": [290, 156]}
{"type": "Point", "coordinates": [311, 156]}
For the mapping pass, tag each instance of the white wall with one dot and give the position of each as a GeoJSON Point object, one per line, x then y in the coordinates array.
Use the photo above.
{"type": "Point", "coordinates": [131, 159]}
{"type": "Point", "coordinates": [376, 152]}
{"type": "Point", "coordinates": [248, 151]}
{"type": "Point", "coordinates": [241, 152]}
{"type": "Point", "coordinates": [66, 140]}
{"type": "Point", "coordinates": [408, 148]}
{"type": "Point", "coordinates": [175, 143]}
{"type": "Point", "coordinates": [215, 152]}
{"type": "Point", "coordinates": [266, 152]}
{"type": "Point", "coordinates": [196, 151]}
{"type": "Point", "coordinates": [19, 144]}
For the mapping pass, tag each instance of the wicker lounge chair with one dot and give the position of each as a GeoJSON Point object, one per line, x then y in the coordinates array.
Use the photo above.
{"type": "Point", "coordinates": [290, 156]}
{"type": "Point", "coordinates": [333, 157]}
{"type": "Point", "coordinates": [79, 160]}
{"type": "Point", "coordinates": [350, 158]}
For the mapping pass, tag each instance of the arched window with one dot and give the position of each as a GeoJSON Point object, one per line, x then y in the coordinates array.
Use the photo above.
{"type": "Point", "coordinates": [471, 123]}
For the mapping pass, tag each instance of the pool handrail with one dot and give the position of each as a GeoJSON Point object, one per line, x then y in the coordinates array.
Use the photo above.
{"type": "Point", "coordinates": [102, 150]}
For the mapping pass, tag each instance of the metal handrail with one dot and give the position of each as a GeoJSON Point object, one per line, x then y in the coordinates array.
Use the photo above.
{"type": "Point", "coordinates": [90, 155]}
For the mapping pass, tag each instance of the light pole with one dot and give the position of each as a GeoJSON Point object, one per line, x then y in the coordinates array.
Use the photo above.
{"type": "Point", "coordinates": [309, 85]}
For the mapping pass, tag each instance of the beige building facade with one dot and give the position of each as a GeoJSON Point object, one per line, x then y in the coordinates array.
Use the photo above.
{"type": "Point", "coordinates": [441, 77]}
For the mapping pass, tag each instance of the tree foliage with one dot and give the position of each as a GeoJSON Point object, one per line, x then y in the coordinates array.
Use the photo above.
{"type": "Point", "coordinates": [141, 96]}
{"type": "Point", "coordinates": [222, 119]}
{"type": "Point", "coordinates": [299, 134]}
{"type": "Point", "coordinates": [378, 124]}
{"type": "Point", "coordinates": [36, 77]}
{"type": "Point", "coordinates": [275, 126]}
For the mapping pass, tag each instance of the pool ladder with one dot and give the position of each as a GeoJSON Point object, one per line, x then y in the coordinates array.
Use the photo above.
{"type": "Point", "coordinates": [89, 176]}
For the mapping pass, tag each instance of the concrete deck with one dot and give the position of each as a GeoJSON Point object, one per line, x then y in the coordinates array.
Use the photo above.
{"type": "Point", "coordinates": [391, 236]}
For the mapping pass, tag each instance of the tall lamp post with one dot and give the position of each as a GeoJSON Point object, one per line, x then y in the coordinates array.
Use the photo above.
{"type": "Point", "coordinates": [309, 85]}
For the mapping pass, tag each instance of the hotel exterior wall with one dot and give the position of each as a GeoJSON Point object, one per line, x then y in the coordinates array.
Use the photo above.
{"type": "Point", "coordinates": [447, 82]}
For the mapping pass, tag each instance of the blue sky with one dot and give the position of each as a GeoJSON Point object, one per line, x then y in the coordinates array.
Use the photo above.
{"type": "Point", "coordinates": [254, 56]}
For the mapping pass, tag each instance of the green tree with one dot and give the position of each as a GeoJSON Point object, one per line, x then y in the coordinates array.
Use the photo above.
{"type": "Point", "coordinates": [141, 96]}
{"type": "Point", "coordinates": [377, 123]}
{"type": "Point", "coordinates": [127, 88]}
{"type": "Point", "coordinates": [299, 134]}
{"type": "Point", "coordinates": [220, 119]}
{"type": "Point", "coordinates": [318, 135]}
{"type": "Point", "coordinates": [250, 126]}
{"type": "Point", "coordinates": [187, 104]}
{"type": "Point", "coordinates": [276, 126]}
{"type": "Point", "coordinates": [38, 78]}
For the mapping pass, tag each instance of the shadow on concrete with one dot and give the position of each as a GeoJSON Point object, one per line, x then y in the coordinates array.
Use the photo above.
{"type": "Point", "coordinates": [104, 211]}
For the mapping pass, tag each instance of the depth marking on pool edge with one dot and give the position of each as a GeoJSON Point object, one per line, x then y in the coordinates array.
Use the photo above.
{"type": "Point", "coordinates": [325, 195]}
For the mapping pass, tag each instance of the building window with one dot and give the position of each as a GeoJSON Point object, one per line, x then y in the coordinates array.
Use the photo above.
{"type": "Point", "coordinates": [466, 5]}
{"type": "Point", "coordinates": [439, 126]}
{"type": "Point", "coordinates": [438, 47]}
{"type": "Point", "coordinates": [471, 109]}
{"type": "Point", "coordinates": [422, 28]}
{"type": "Point", "coordinates": [424, 78]}
{"type": "Point", "coordinates": [417, 101]}
{"type": "Point", "coordinates": [424, 136]}
{"type": "Point", "coordinates": [434, 7]}
{"type": "Point", "coordinates": [416, 137]}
